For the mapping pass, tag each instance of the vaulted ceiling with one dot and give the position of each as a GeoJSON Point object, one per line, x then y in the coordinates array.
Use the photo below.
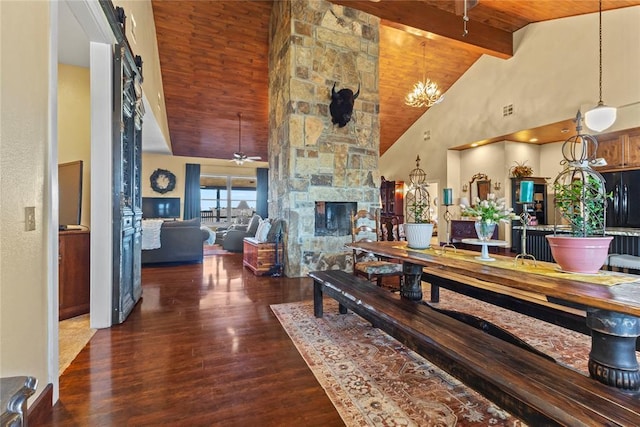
{"type": "Point", "coordinates": [214, 60]}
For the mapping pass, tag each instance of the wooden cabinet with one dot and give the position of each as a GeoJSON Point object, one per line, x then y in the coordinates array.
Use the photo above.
{"type": "Point", "coordinates": [632, 149]}
{"type": "Point", "coordinates": [537, 209]}
{"type": "Point", "coordinates": [621, 150]}
{"type": "Point", "coordinates": [392, 199]}
{"type": "Point", "coordinates": [610, 149]}
{"type": "Point", "coordinates": [260, 257]}
{"type": "Point", "coordinates": [73, 273]}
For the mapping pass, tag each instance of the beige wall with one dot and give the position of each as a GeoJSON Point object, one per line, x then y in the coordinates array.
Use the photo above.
{"type": "Point", "coordinates": [74, 126]}
{"type": "Point", "coordinates": [145, 44]}
{"type": "Point", "coordinates": [553, 73]}
{"type": "Point", "coordinates": [176, 165]}
{"type": "Point", "coordinates": [24, 142]}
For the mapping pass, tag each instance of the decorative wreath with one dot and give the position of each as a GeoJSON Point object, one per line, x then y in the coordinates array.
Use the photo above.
{"type": "Point", "coordinates": [162, 181]}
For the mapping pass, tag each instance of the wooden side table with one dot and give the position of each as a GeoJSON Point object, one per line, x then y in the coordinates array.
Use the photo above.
{"type": "Point", "coordinates": [260, 257]}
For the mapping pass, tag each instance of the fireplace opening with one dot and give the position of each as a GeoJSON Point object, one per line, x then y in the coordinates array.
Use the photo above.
{"type": "Point", "coordinates": [334, 218]}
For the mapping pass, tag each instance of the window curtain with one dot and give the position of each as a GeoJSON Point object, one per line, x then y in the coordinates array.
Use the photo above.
{"type": "Point", "coordinates": [192, 191]}
{"type": "Point", "coordinates": [262, 192]}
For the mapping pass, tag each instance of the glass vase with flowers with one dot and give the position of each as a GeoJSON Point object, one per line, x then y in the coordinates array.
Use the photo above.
{"type": "Point", "coordinates": [488, 213]}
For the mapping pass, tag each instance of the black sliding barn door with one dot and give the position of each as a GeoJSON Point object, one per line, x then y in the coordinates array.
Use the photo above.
{"type": "Point", "coordinates": [127, 197]}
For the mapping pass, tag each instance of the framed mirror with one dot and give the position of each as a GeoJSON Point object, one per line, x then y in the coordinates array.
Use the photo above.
{"type": "Point", "coordinates": [483, 187]}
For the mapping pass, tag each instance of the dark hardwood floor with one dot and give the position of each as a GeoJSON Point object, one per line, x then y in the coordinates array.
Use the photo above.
{"type": "Point", "coordinates": [202, 348]}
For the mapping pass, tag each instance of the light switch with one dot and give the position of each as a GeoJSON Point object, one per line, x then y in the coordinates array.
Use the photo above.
{"type": "Point", "coordinates": [30, 218]}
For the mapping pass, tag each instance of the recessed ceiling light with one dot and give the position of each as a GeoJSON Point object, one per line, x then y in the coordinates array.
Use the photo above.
{"type": "Point", "coordinates": [475, 144]}
{"type": "Point", "coordinates": [564, 130]}
{"type": "Point", "coordinates": [533, 140]}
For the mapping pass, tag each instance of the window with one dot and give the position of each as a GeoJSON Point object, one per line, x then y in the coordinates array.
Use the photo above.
{"type": "Point", "coordinates": [227, 199]}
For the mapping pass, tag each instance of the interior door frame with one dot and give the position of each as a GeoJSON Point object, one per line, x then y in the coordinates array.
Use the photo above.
{"type": "Point", "coordinates": [94, 24]}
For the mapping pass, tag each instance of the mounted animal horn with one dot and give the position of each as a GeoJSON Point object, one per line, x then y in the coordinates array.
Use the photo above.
{"type": "Point", "coordinates": [341, 107]}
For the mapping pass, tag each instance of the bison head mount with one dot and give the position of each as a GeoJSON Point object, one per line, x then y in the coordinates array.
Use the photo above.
{"type": "Point", "coordinates": [341, 107]}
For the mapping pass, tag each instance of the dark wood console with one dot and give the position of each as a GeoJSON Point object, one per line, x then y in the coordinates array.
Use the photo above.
{"type": "Point", "coordinates": [73, 273]}
{"type": "Point", "coordinates": [466, 229]}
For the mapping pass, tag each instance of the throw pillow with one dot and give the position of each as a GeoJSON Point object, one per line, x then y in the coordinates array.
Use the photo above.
{"type": "Point", "coordinates": [253, 225]}
{"type": "Point", "coordinates": [276, 229]}
{"type": "Point", "coordinates": [263, 230]}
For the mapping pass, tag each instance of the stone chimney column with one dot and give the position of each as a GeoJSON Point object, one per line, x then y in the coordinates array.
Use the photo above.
{"type": "Point", "coordinates": [314, 44]}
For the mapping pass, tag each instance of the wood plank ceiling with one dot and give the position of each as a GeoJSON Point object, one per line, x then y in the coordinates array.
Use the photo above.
{"type": "Point", "coordinates": [213, 56]}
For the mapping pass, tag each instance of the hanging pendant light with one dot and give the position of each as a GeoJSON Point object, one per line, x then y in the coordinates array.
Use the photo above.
{"type": "Point", "coordinates": [425, 93]}
{"type": "Point", "coordinates": [601, 116]}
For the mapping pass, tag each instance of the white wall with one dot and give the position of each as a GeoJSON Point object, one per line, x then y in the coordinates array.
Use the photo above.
{"type": "Point", "coordinates": [25, 170]}
{"type": "Point", "coordinates": [553, 73]}
{"type": "Point", "coordinates": [489, 159]}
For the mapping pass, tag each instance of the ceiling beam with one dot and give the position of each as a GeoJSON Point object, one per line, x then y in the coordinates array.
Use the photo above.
{"type": "Point", "coordinates": [419, 18]}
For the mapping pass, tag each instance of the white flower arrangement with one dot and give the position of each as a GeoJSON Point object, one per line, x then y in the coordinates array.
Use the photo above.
{"type": "Point", "coordinates": [491, 210]}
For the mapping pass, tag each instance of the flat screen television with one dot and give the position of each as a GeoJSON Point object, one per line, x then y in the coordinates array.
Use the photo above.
{"type": "Point", "coordinates": [69, 194]}
{"type": "Point", "coordinates": [160, 207]}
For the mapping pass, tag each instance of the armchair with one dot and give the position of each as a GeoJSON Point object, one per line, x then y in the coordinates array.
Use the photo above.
{"type": "Point", "coordinates": [232, 240]}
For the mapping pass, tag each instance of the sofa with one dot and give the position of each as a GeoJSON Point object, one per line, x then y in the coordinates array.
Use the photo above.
{"type": "Point", "coordinates": [181, 241]}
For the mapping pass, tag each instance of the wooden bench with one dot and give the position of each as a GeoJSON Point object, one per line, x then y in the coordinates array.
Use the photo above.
{"type": "Point", "coordinates": [532, 388]}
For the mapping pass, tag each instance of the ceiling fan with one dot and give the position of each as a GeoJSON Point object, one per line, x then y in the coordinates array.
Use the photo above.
{"type": "Point", "coordinates": [239, 157]}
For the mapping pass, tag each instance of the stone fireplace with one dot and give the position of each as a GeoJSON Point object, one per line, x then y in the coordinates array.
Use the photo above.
{"type": "Point", "coordinates": [313, 45]}
{"type": "Point", "coordinates": [334, 218]}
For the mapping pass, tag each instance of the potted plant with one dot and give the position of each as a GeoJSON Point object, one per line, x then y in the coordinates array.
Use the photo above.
{"type": "Point", "coordinates": [419, 229]}
{"type": "Point", "coordinates": [521, 170]}
{"type": "Point", "coordinates": [581, 199]}
{"type": "Point", "coordinates": [582, 203]}
{"type": "Point", "coordinates": [488, 213]}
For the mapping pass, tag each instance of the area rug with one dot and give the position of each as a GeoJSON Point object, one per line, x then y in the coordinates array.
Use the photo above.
{"type": "Point", "coordinates": [374, 380]}
{"type": "Point", "coordinates": [208, 250]}
{"type": "Point", "coordinates": [73, 335]}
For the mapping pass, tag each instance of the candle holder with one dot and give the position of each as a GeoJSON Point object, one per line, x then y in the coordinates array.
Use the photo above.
{"type": "Point", "coordinates": [525, 217]}
{"type": "Point", "coordinates": [447, 218]}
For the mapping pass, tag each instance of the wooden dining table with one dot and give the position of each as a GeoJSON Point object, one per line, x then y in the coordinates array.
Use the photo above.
{"type": "Point", "coordinates": [611, 299]}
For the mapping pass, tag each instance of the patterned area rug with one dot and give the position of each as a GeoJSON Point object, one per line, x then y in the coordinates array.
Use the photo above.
{"type": "Point", "coordinates": [373, 380]}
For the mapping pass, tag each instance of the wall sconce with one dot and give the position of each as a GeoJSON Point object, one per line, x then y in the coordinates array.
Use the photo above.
{"type": "Point", "coordinates": [465, 188]}
{"type": "Point", "coordinates": [497, 186]}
